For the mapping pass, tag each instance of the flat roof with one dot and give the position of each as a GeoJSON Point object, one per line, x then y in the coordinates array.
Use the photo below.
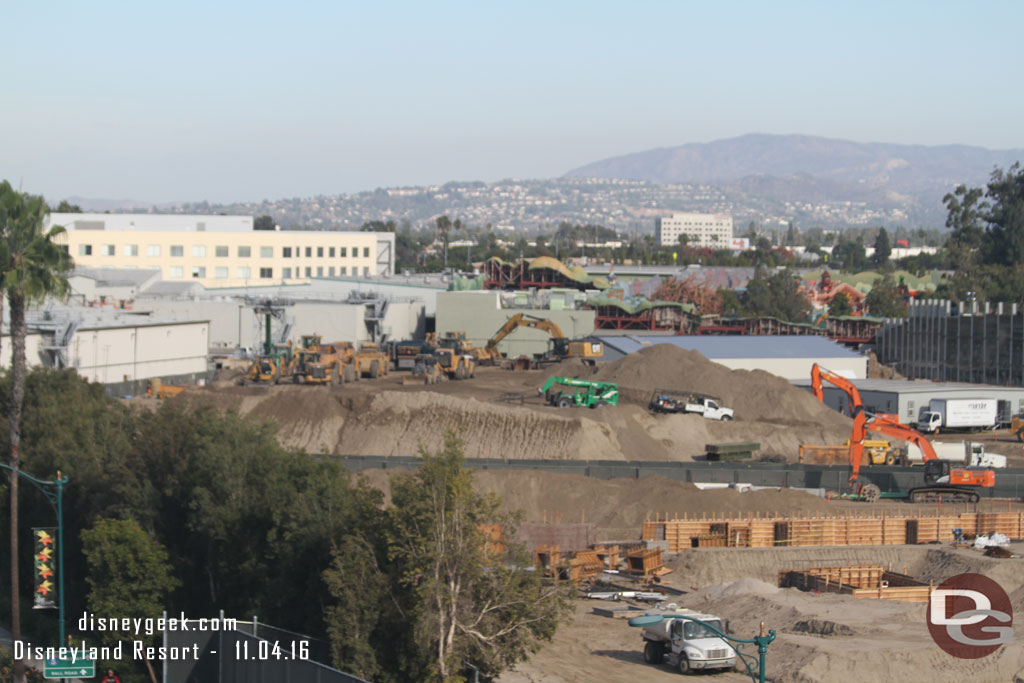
{"type": "Point", "coordinates": [917, 386]}
{"type": "Point", "coordinates": [746, 346]}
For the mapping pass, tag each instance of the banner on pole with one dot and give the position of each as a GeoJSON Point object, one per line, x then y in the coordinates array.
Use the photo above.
{"type": "Point", "coordinates": [44, 561]}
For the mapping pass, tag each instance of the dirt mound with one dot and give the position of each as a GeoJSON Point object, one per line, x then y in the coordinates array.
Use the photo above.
{"type": "Point", "coordinates": [754, 395]}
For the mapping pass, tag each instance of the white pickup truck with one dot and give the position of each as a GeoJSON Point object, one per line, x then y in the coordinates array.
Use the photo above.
{"type": "Point", "coordinates": [666, 401]}
{"type": "Point", "coordinates": [685, 644]}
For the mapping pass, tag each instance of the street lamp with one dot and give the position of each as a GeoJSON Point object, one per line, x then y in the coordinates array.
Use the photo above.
{"type": "Point", "coordinates": [54, 493]}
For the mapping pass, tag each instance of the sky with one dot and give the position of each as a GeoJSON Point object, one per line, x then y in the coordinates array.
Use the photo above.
{"type": "Point", "coordinates": [226, 101]}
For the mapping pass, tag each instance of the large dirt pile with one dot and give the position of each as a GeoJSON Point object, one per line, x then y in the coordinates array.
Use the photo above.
{"type": "Point", "coordinates": [753, 394]}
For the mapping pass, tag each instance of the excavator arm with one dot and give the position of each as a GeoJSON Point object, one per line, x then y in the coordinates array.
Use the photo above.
{"type": "Point", "coordinates": [818, 374]}
{"type": "Point", "coordinates": [522, 320]}
{"type": "Point", "coordinates": [864, 422]}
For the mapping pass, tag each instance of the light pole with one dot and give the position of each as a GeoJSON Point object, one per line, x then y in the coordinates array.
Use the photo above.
{"type": "Point", "coordinates": [54, 493]}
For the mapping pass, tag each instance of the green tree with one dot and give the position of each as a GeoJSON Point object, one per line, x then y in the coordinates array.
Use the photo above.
{"type": "Point", "coordinates": [462, 602]}
{"type": "Point", "coordinates": [883, 248]}
{"type": "Point", "coordinates": [129, 575]}
{"type": "Point", "coordinates": [1003, 242]}
{"type": "Point", "coordinates": [840, 305]}
{"type": "Point", "coordinates": [884, 299]}
{"type": "Point", "coordinates": [67, 207]}
{"type": "Point", "coordinates": [263, 223]}
{"type": "Point", "coordinates": [32, 267]}
{"type": "Point", "coordinates": [777, 296]}
{"type": "Point", "coordinates": [849, 254]}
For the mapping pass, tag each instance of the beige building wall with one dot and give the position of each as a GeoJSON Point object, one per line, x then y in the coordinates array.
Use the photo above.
{"type": "Point", "coordinates": [480, 315]}
{"type": "Point", "coordinates": [227, 258]}
{"type": "Point", "coordinates": [703, 229]}
{"type": "Point", "coordinates": [118, 354]}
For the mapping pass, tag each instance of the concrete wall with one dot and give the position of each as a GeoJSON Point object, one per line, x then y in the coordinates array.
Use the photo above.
{"type": "Point", "coordinates": [479, 315]}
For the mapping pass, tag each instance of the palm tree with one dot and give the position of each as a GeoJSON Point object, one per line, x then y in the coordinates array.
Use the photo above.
{"type": "Point", "coordinates": [32, 267]}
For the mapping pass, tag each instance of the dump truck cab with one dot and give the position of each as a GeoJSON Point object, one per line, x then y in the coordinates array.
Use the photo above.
{"type": "Point", "coordinates": [687, 641]}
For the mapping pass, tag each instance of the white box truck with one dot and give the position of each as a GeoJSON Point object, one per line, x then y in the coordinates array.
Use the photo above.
{"type": "Point", "coordinates": [969, 454]}
{"type": "Point", "coordinates": [951, 414]}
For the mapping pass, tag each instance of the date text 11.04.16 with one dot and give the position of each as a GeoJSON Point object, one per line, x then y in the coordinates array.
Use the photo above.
{"type": "Point", "coordinates": [272, 649]}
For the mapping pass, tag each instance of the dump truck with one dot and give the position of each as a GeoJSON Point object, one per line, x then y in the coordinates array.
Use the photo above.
{"type": "Point", "coordinates": [372, 361]}
{"type": "Point", "coordinates": [667, 401]}
{"type": "Point", "coordinates": [320, 364]}
{"type": "Point", "coordinates": [565, 392]}
{"type": "Point", "coordinates": [875, 452]}
{"type": "Point", "coordinates": [967, 453]}
{"type": "Point", "coordinates": [958, 414]}
{"type": "Point", "coordinates": [686, 640]}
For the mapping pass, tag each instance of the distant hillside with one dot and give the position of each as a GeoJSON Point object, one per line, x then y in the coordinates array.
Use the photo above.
{"type": "Point", "coordinates": [807, 168]}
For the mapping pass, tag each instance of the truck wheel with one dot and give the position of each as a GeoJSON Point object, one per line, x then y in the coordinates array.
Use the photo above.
{"type": "Point", "coordinates": [890, 459]}
{"type": "Point", "coordinates": [727, 418]}
{"type": "Point", "coordinates": [1020, 435]}
{"type": "Point", "coordinates": [564, 402]}
{"type": "Point", "coordinates": [654, 653]}
{"type": "Point", "coordinates": [684, 665]}
{"type": "Point", "coordinates": [374, 370]}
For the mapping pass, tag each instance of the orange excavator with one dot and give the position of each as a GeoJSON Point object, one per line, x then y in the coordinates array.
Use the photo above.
{"type": "Point", "coordinates": [943, 481]}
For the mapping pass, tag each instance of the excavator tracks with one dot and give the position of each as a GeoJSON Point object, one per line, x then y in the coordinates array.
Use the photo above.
{"type": "Point", "coordinates": [945, 494]}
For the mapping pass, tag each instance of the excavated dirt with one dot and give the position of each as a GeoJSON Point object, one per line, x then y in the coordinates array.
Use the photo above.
{"type": "Point", "coordinates": [617, 507]}
{"type": "Point", "coordinates": [383, 417]}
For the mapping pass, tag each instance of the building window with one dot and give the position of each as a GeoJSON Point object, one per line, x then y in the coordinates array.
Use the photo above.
{"type": "Point", "coordinates": [330, 252]}
{"type": "Point", "coordinates": [366, 252]}
{"type": "Point", "coordinates": [343, 270]}
{"type": "Point", "coordinates": [344, 251]}
{"type": "Point", "coordinates": [177, 250]}
{"type": "Point", "coordinates": [330, 271]}
{"type": "Point", "coordinates": [286, 252]}
{"type": "Point", "coordinates": [319, 271]}
{"type": "Point", "coordinates": [198, 251]}
{"type": "Point", "coordinates": [266, 273]}
{"type": "Point", "coordinates": [320, 252]}
{"type": "Point", "coordinates": [286, 273]}
{"type": "Point", "coordinates": [244, 272]}
{"type": "Point", "coordinates": [309, 252]}
{"type": "Point", "coordinates": [108, 250]}
{"type": "Point", "coordinates": [221, 251]}
{"type": "Point", "coordinates": [131, 250]}
{"type": "Point", "coordinates": [244, 252]}
{"type": "Point", "coordinates": [198, 271]}
{"type": "Point", "coordinates": [175, 272]}
{"type": "Point", "coordinates": [266, 252]}
{"type": "Point", "coordinates": [153, 250]}
{"type": "Point", "coordinates": [220, 272]}
{"type": "Point", "coordinates": [366, 271]}
{"type": "Point", "coordinates": [309, 272]}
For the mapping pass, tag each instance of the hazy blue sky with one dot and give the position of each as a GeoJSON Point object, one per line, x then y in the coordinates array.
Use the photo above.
{"type": "Point", "coordinates": [244, 101]}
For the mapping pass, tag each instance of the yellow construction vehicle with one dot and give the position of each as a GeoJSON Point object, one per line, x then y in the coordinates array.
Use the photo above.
{"type": "Point", "coordinates": [1017, 427]}
{"type": "Point", "coordinates": [454, 365]}
{"type": "Point", "coordinates": [319, 364]}
{"type": "Point", "coordinates": [561, 346]}
{"type": "Point", "coordinates": [372, 361]}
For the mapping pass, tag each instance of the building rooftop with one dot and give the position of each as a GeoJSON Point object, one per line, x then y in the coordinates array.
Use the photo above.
{"type": "Point", "coordinates": [761, 346]}
{"type": "Point", "coordinates": [118, 277]}
{"type": "Point", "coordinates": [917, 386]}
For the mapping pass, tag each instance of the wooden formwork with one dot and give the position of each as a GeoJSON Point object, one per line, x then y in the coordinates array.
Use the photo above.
{"type": "Point", "coordinates": [872, 527]}
{"type": "Point", "coordinates": [860, 581]}
{"type": "Point", "coordinates": [583, 565]}
{"type": "Point", "coordinates": [608, 555]}
{"type": "Point", "coordinates": [644, 562]}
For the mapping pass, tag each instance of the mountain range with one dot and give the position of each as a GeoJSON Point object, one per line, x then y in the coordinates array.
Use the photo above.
{"type": "Point", "coordinates": [814, 169]}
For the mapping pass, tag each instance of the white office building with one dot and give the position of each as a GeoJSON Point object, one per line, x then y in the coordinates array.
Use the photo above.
{"type": "Point", "coordinates": [713, 230]}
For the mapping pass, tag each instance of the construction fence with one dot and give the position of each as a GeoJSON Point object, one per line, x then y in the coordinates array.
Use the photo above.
{"type": "Point", "coordinates": [885, 527]}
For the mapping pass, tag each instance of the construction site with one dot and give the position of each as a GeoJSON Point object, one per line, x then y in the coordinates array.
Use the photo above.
{"type": "Point", "coordinates": [663, 480]}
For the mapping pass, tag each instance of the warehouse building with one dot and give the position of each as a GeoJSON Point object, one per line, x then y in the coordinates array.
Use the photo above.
{"type": "Point", "coordinates": [121, 349]}
{"type": "Point", "coordinates": [222, 251]}
{"type": "Point", "coordinates": [908, 398]}
{"type": "Point", "coordinates": [790, 357]}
